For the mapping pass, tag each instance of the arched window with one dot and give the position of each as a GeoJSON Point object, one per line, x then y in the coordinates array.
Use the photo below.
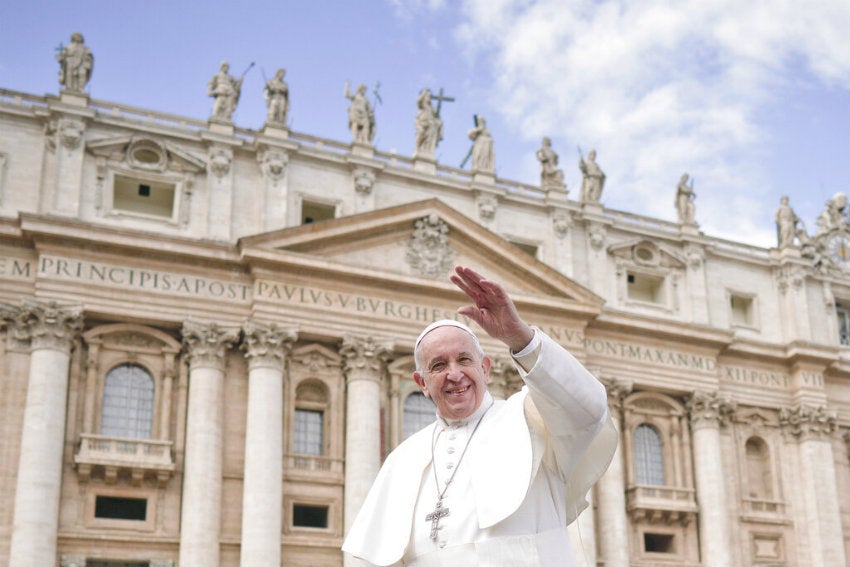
{"type": "Point", "coordinates": [308, 426]}
{"type": "Point", "coordinates": [419, 411]}
{"type": "Point", "coordinates": [760, 482]}
{"type": "Point", "coordinates": [649, 457]}
{"type": "Point", "coordinates": [127, 403]}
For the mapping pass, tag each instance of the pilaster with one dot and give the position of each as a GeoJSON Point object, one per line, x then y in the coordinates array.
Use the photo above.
{"type": "Point", "coordinates": [611, 490]}
{"type": "Point", "coordinates": [66, 129]}
{"type": "Point", "coordinates": [266, 348]}
{"type": "Point", "coordinates": [812, 428]}
{"type": "Point", "coordinates": [364, 359]}
{"type": "Point", "coordinates": [206, 345]}
{"type": "Point", "coordinates": [707, 413]}
{"type": "Point", "coordinates": [51, 330]}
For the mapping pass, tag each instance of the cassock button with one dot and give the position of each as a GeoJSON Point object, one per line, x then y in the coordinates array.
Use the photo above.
{"type": "Point", "coordinates": [450, 450]}
{"type": "Point", "coordinates": [450, 465]}
{"type": "Point", "coordinates": [442, 544]}
{"type": "Point", "coordinates": [452, 436]}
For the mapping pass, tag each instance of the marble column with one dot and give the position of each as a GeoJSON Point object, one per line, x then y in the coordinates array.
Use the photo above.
{"type": "Point", "coordinates": [707, 413]}
{"type": "Point", "coordinates": [200, 526]}
{"type": "Point", "coordinates": [266, 348]}
{"type": "Point", "coordinates": [813, 428]}
{"type": "Point", "coordinates": [611, 491]}
{"type": "Point", "coordinates": [51, 331]}
{"type": "Point", "coordinates": [363, 359]}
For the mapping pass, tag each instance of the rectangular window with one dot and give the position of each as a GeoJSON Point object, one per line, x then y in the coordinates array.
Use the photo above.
{"type": "Point", "coordinates": [108, 563]}
{"type": "Point", "coordinates": [842, 312]}
{"type": "Point", "coordinates": [304, 516]}
{"type": "Point", "coordinates": [315, 212]}
{"type": "Point", "coordinates": [529, 249]}
{"type": "Point", "coordinates": [645, 287]}
{"type": "Point", "coordinates": [658, 543]}
{"type": "Point", "coordinates": [115, 508]}
{"type": "Point", "coordinates": [308, 437]}
{"type": "Point", "coordinates": [143, 196]}
{"type": "Point", "coordinates": [742, 310]}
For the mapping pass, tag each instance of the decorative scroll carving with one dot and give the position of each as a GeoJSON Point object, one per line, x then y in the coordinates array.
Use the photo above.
{"type": "Point", "coordinates": [207, 343]}
{"type": "Point", "coordinates": [504, 379]}
{"type": "Point", "coordinates": [68, 131]}
{"type": "Point", "coordinates": [617, 391]}
{"type": "Point", "coordinates": [43, 325]}
{"type": "Point", "coordinates": [273, 163]}
{"type": "Point", "coordinates": [219, 161]}
{"type": "Point", "coordinates": [561, 222]}
{"type": "Point", "coordinates": [266, 345]}
{"type": "Point", "coordinates": [709, 409]}
{"type": "Point", "coordinates": [807, 422]}
{"type": "Point", "coordinates": [428, 250]}
{"type": "Point", "coordinates": [487, 205]}
{"type": "Point", "coordinates": [596, 235]}
{"type": "Point", "coordinates": [363, 358]}
{"type": "Point", "coordinates": [364, 180]}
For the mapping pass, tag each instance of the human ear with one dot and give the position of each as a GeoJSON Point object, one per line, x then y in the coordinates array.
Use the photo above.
{"type": "Point", "coordinates": [485, 363]}
{"type": "Point", "coordinates": [420, 381]}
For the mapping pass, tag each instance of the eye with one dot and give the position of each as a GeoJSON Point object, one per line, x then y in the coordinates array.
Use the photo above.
{"type": "Point", "coordinates": [437, 366]}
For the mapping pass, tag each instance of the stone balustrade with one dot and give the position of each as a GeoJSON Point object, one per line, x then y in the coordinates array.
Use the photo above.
{"type": "Point", "coordinates": [139, 458]}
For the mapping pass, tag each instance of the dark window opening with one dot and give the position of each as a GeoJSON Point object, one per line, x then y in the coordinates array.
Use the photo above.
{"type": "Point", "coordinates": [109, 563]}
{"type": "Point", "coordinates": [631, 278]}
{"type": "Point", "coordinates": [316, 212]}
{"type": "Point", "coordinates": [310, 516]}
{"type": "Point", "coordinates": [115, 508]}
{"type": "Point", "coordinates": [658, 543]}
{"type": "Point", "coordinates": [144, 190]}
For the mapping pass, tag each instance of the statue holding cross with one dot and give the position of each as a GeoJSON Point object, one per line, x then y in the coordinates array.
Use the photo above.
{"type": "Point", "coordinates": [429, 125]}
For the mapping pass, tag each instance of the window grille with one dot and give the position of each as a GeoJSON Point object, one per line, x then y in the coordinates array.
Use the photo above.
{"type": "Point", "coordinates": [308, 438]}
{"type": "Point", "coordinates": [649, 457]}
{"type": "Point", "coordinates": [843, 315]}
{"type": "Point", "coordinates": [127, 403]}
{"type": "Point", "coordinates": [419, 411]}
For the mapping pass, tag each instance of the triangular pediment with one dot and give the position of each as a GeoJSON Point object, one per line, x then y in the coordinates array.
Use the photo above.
{"type": "Point", "coordinates": [414, 245]}
{"type": "Point", "coordinates": [146, 153]}
{"type": "Point", "coordinates": [642, 251]}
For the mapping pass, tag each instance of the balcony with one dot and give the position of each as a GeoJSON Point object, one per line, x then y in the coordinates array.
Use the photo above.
{"type": "Point", "coordinates": [661, 504]}
{"type": "Point", "coordinates": [113, 457]}
{"type": "Point", "coordinates": [317, 468]}
{"type": "Point", "coordinates": [761, 510]}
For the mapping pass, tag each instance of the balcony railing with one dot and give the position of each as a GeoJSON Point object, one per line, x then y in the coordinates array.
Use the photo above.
{"type": "Point", "coordinates": [665, 504]}
{"type": "Point", "coordinates": [760, 507]}
{"type": "Point", "coordinates": [114, 456]}
{"type": "Point", "coordinates": [318, 465]}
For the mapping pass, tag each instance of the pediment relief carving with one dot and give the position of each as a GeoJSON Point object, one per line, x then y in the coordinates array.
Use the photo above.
{"type": "Point", "coordinates": [315, 358]}
{"type": "Point", "coordinates": [311, 390]}
{"type": "Point", "coordinates": [644, 252]}
{"type": "Point", "coordinates": [144, 153]}
{"type": "Point", "coordinates": [138, 337]}
{"type": "Point", "coordinates": [653, 403]}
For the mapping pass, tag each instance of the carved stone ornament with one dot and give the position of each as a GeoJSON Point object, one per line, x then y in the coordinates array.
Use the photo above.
{"type": "Point", "coordinates": [207, 343]}
{"type": "Point", "coordinates": [363, 357]}
{"type": "Point", "coordinates": [44, 325]}
{"type": "Point", "coordinates": [70, 132]}
{"type": "Point", "coordinates": [364, 179]}
{"type": "Point", "coordinates": [596, 236]}
{"type": "Point", "coordinates": [273, 163]}
{"type": "Point", "coordinates": [72, 561]}
{"type": "Point", "coordinates": [266, 345]}
{"type": "Point", "coordinates": [428, 250]}
{"type": "Point", "coordinates": [147, 154]}
{"type": "Point", "coordinates": [807, 422]}
{"type": "Point", "coordinates": [790, 277]}
{"type": "Point", "coordinates": [561, 223]}
{"type": "Point", "coordinates": [617, 391]}
{"type": "Point", "coordinates": [219, 161]}
{"type": "Point", "coordinates": [709, 409]}
{"type": "Point", "coordinates": [487, 206]}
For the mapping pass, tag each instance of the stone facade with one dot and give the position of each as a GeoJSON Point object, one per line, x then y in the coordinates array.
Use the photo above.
{"type": "Point", "coordinates": [207, 347]}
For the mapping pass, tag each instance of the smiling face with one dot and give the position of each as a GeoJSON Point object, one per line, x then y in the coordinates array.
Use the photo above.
{"type": "Point", "coordinates": [453, 372]}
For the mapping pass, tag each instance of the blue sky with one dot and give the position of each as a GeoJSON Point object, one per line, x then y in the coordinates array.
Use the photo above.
{"type": "Point", "coordinates": [751, 98]}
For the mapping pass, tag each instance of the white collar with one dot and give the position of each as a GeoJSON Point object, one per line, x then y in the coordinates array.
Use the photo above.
{"type": "Point", "coordinates": [486, 401]}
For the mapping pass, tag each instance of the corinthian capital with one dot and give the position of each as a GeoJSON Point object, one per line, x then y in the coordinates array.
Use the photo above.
{"type": "Point", "coordinates": [266, 345]}
{"type": "Point", "coordinates": [708, 409]}
{"type": "Point", "coordinates": [207, 343]}
{"type": "Point", "coordinates": [363, 357]}
{"type": "Point", "coordinates": [807, 422]}
{"type": "Point", "coordinates": [44, 325]}
{"type": "Point", "coordinates": [616, 389]}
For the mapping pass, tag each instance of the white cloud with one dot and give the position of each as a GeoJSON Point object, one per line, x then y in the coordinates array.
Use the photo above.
{"type": "Point", "coordinates": [658, 88]}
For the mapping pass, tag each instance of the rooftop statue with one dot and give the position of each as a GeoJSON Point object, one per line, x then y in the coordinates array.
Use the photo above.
{"type": "Point", "coordinates": [685, 200]}
{"type": "Point", "coordinates": [361, 117]}
{"type": "Point", "coordinates": [786, 224]}
{"type": "Point", "coordinates": [76, 63]}
{"type": "Point", "coordinates": [551, 177]}
{"type": "Point", "coordinates": [833, 215]}
{"type": "Point", "coordinates": [593, 179]}
{"type": "Point", "coordinates": [483, 157]}
{"type": "Point", "coordinates": [225, 89]}
{"type": "Point", "coordinates": [429, 125]}
{"type": "Point", "coordinates": [277, 99]}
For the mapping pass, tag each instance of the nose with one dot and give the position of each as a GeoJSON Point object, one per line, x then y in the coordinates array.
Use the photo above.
{"type": "Point", "coordinates": [454, 373]}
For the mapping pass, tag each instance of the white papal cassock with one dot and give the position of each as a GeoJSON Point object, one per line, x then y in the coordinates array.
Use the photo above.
{"type": "Point", "coordinates": [524, 478]}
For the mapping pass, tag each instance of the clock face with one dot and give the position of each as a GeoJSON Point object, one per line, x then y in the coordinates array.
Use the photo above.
{"type": "Point", "coordinates": [838, 248]}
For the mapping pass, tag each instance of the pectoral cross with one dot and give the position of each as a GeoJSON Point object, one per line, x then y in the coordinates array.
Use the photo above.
{"type": "Point", "coordinates": [434, 518]}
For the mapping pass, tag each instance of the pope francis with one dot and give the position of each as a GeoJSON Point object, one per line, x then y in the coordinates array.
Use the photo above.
{"type": "Point", "coordinates": [489, 483]}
